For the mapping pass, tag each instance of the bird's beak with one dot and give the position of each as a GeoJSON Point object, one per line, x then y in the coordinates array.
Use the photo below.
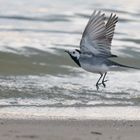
{"type": "Point", "coordinates": [66, 51]}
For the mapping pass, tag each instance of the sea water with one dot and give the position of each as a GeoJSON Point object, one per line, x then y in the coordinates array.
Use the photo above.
{"type": "Point", "coordinates": [35, 72]}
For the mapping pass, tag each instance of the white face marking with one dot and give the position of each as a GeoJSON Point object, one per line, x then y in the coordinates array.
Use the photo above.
{"type": "Point", "coordinates": [75, 53]}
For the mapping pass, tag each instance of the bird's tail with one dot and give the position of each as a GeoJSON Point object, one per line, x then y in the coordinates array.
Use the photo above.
{"type": "Point", "coordinates": [125, 66]}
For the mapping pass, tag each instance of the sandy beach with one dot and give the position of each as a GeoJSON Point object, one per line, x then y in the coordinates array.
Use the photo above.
{"type": "Point", "coordinates": [102, 123]}
{"type": "Point", "coordinates": [68, 129]}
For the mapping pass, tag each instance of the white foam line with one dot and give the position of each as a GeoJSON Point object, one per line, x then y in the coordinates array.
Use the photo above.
{"type": "Point", "coordinates": [100, 113]}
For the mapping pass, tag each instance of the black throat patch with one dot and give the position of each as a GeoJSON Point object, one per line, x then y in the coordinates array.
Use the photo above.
{"type": "Point", "coordinates": [75, 60]}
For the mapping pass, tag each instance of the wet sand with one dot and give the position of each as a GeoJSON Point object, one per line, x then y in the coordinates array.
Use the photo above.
{"type": "Point", "coordinates": [68, 129]}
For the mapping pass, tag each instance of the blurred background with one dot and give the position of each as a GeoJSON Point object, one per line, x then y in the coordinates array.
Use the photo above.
{"type": "Point", "coordinates": [36, 72]}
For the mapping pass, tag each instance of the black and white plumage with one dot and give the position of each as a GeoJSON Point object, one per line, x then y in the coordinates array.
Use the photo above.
{"type": "Point", "coordinates": [95, 46]}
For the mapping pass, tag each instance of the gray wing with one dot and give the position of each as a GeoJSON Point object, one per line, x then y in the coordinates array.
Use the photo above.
{"type": "Point", "coordinates": [110, 27]}
{"type": "Point", "coordinates": [95, 38]}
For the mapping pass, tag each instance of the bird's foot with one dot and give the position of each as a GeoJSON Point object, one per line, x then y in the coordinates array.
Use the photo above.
{"type": "Point", "coordinates": [97, 86]}
{"type": "Point", "coordinates": [103, 83]}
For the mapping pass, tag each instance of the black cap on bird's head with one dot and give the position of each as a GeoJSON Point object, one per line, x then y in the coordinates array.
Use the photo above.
{"type": "Point", "coordinates": [78, 51]}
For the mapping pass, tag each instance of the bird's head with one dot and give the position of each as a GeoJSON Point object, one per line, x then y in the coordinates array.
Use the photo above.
{"type": "Point", "coordinates": [74, 54]}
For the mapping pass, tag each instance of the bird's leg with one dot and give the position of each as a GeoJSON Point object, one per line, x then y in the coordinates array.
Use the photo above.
{"type": "Point", "coordinates": [97, 84]}
{"type": "Point", "coordinates": [103, 81]}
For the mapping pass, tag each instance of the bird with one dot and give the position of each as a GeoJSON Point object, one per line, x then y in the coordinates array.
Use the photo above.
{"type": "Point", "coordinates": [95, 46]}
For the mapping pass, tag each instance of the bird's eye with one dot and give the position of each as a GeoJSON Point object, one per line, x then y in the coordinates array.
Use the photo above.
{"type": "Point", "coordinates": [73, 52]}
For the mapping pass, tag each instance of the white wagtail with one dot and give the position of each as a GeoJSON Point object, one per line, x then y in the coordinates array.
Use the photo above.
{"type": "Point", "coordinates": [95, 46]}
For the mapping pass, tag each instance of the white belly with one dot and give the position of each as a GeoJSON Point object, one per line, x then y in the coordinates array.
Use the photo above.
{"type": "Point", "coordinates": [95, 68]}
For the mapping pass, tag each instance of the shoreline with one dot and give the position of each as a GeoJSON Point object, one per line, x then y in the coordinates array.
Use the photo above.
{"type": "Point", "coordinates": [83, 113]}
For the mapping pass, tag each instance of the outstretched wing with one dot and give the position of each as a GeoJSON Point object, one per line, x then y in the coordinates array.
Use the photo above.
{"type": "Point", "coordinates": [110, 27]}
{"type": "Point", "coordinates": [96, 36]}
